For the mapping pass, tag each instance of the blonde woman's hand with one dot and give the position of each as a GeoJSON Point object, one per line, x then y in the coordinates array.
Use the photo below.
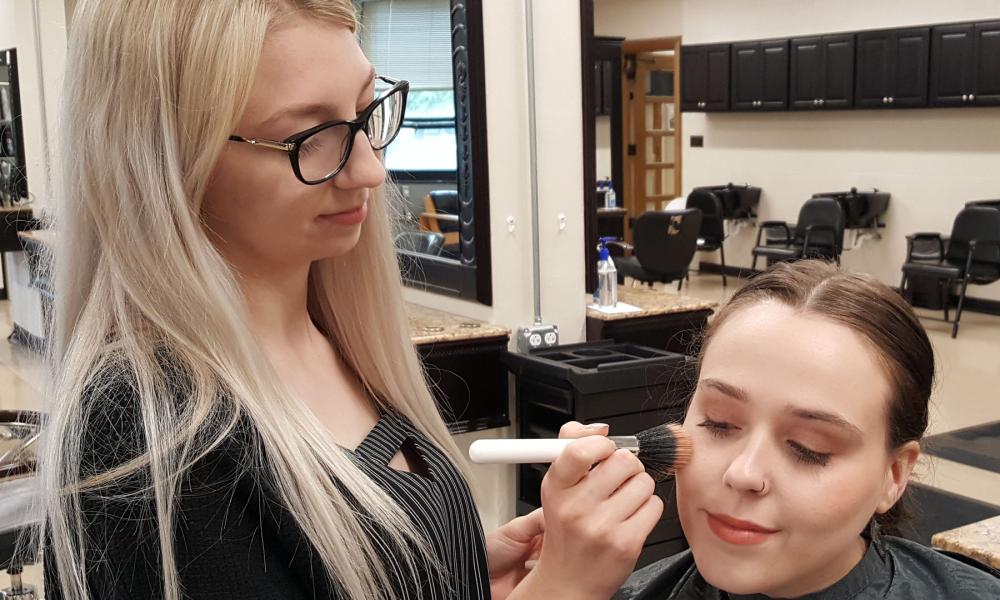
{"type": "Point", "coordinates": [509, 548]}
{"type": "Point", "coordinates": [596, 519]}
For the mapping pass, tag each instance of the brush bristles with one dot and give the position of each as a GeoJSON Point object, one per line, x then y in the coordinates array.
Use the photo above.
{"type": "Point", "coordinates": [664, 450]}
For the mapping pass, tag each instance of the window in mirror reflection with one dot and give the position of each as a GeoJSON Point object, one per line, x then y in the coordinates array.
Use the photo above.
{"type": "Point", "coordinates": [411, 40]}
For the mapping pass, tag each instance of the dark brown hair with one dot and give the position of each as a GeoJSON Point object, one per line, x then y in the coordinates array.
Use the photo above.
{"type": "Point", "coordinates": [874, 311]}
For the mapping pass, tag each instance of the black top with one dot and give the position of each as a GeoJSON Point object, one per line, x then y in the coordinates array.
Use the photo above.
{"type": "Point", "coordinates": [907, 571]}
{"type": "Point", "coordinates": [235, 539]}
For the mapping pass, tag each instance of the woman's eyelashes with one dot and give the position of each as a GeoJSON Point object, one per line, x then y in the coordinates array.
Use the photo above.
{"type": "Point", "coordinates": [799, 452]}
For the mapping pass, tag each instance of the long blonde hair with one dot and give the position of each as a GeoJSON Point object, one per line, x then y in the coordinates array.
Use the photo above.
{"type": "Point", "coordinates": [153, 90]}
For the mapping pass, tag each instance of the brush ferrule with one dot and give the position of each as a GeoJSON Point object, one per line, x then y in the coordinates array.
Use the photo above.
{"type": "Point", "coordinates": [626, 442]}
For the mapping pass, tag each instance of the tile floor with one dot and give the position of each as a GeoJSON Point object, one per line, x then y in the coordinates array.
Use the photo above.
{"type": "Point", "coordinates": [966, 392]}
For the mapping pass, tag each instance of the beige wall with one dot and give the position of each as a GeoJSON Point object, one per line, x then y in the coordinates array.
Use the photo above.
{"type": "Point", "coordinates": [638, 18]}
{"type": "Point", "coordinates": [560, 173]}
{"type": "Point", "coordinates": [931, 160]}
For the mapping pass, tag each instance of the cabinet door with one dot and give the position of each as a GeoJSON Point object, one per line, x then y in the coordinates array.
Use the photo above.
{"type": "Point", "coordinates": [988, 64]}
{"type": "Point", "coordinates": [694, 77]}
{"type": "Point", "coordinates": [838, 63]}
{"type": "Point", "coordinates": [775, 75]}
{"type": "Point", "coordinates": [748, 75]}
{"type": "Point", "coordinates": [874, 69]}
{"type": "Point", "coordinates": [952, 68]}
{"type": "Point", "coordinates": [806, 72]}
{"type": "Point", "coordinates": [911, 51]}
{"type": "Point", "coordinates": [717, 94]}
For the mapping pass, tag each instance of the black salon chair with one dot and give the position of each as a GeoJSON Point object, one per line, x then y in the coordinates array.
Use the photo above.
{"type": "Point", "coordinates": [819, 233]}
{"type": "Point", "coordinates": [665, 243]}
{"type": "Point", "coordinates": [422, 242]}
{"type": "Point", "coordinates": [987, 203]}
{"type": "Point", "coordinates": [738, 201]}
{"type": "Point", "coordinates": [713, 231]}
{"type": "Point", "coordinates": [971, 255]}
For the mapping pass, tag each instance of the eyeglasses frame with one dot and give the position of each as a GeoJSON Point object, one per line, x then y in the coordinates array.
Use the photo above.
{"type": "Point", "coordinates": [293, 143]}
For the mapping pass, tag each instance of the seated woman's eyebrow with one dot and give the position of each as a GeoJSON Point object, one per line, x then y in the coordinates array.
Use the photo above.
{"type": "Point", "coordinates": [732, 391]}
{"type": "Point", "coordinates": [826, 417]}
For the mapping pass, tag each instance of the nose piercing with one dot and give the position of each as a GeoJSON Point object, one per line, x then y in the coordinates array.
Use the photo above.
{"type": "Point", "coordinates": [763, 486]}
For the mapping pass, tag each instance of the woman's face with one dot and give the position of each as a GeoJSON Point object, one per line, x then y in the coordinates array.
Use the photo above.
{"type": "Point", "coordinates": [789, 428]}
{"type": "Point", "coordinates": [259, 214]}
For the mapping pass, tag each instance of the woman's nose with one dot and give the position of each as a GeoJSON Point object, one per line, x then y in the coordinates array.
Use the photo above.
{"type": "Point", "coordinates": [364, 168]}
{"type": "Point", "coordinates": [748, 471]}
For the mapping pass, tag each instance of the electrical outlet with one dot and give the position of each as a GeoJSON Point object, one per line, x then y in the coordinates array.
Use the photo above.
{"type": "Point", "coordinates": [536, 337]}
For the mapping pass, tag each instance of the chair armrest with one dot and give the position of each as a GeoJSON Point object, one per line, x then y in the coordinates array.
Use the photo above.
{"type": "Point", "coordinates": [619, 249]}
{"type": "Point", "coordinates": [447, 218]}
{"type": "Point", "coordinates": [773, 225]}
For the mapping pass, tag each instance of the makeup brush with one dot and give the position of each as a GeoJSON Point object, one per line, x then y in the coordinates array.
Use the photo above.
{"type": "Point", "coordinates": [662, 449]}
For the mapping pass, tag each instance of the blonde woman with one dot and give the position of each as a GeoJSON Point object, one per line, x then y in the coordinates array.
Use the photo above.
{"type": "Point", "coordinates": [237, 410]}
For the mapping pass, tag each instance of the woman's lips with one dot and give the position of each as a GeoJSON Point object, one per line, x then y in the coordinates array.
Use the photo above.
{"type": "Point", "coordinates": [737, 531]}
{"type": "Point", "coordinates": [351, 217]}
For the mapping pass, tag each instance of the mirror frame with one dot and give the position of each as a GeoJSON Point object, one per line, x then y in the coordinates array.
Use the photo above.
{"type": "Point", "coordinates": [471, 277]}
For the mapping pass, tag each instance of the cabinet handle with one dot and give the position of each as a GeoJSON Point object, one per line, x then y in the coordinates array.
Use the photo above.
{"type": "Point", "coordinates": [821, 101]}
{"type": "Point", "coordinates": [885, 100]}
{"type": "Point", "coordinates": [891, 99]}
{"type": "Point", "coordinates": [965, 97]}
{"type": "Point", "coordinates": [972, 97]}
{"type": "Point", "coordinates": [815, 101]}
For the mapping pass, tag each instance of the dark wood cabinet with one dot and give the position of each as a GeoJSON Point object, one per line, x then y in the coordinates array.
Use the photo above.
{"type": "Point", "coordinates": [892, 68]}
{"type": "Point", "coordinates": [965, 64]}
{"type": "Point", "coordinates": [948, 65]}
{"type": "Point", "coordinates": [607, 53]}
{"type": "Point", "coordinates": [987, 64]}
{"type": "Point", "coordinates": [822, 72]}
{"type": "Point", "coordinates": [705, 78]}
{"type": "Point", "coordinates": [759, 75]}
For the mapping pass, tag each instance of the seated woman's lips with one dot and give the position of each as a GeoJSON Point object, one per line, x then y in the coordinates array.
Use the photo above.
{"type": "Point", "coordinates": [738, 532]}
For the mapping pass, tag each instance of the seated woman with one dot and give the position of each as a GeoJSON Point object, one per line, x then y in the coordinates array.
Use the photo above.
{"type": "Point", "coordinates": [812, 399]}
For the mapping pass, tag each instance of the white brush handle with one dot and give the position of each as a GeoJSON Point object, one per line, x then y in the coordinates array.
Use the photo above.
{"type": "Point", "coordinates": [517, 451]}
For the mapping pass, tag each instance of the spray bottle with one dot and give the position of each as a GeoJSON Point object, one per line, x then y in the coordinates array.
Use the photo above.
{"type": "Point", "coordinates": [607, 276]}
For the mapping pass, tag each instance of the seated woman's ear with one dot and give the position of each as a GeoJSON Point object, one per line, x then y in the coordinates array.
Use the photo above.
{"type": "Point", "coordinates": [898, 474]}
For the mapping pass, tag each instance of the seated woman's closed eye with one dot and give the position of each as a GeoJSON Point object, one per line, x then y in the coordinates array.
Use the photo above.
{"type": "Point", "coordinates": [811, 400]}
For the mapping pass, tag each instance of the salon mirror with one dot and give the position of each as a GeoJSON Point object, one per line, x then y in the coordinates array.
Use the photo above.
{"type": "Point", "coordinates": [437, 164]}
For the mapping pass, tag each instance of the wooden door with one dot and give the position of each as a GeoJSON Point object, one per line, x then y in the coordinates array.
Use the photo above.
{"type": "Point", "coordinates": [875, 69]}
{"type": "Point", "coordinates": [652, 125]}
{"type": "Point", "coordinates": [911, 51]}
{"type": "Point", "coordinates": [952, 65]}
{"type": "Point", "coordinates": [806, 87]}
{"type": "Point", "coordinates": [987, 64]}
{"type": "Point", "coordinates": [747, 84]}
{"type": "Point", "coordinates": [838, 63]}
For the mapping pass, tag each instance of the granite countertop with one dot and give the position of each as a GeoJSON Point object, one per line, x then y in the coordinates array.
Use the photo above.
{"type": "Point", "coordinates": [651, 302]}
{"type": "Point", "coordinates": [428, 325]}
{"type": "Point", "coordinates": [980, 541]}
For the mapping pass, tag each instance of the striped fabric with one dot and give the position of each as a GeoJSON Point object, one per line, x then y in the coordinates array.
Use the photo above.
{"type": "Point", "coordinates": [440, 504]}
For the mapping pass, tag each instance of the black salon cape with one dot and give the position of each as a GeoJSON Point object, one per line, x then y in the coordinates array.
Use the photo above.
{"type": "Point", "coordinates": [908, 571]}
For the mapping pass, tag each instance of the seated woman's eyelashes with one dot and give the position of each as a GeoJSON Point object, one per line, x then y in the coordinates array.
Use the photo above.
{"type": "Point", "coordinates": [721, 429]}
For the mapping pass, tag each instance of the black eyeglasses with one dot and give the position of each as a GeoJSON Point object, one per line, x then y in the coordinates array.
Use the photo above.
{"type": "Point", "coordinates": [319, 153]}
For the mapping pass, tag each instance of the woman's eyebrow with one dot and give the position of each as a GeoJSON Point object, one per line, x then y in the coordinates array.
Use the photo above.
{"type": "Point", "coordinates": [798, 412]}
{"type": "Point", "coordinates": [826, 417]}
{"type": "Point", "coordinates": [729, 390]}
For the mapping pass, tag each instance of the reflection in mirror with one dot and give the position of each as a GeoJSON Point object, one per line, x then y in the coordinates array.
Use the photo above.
{"type": "Point", "coordinates": [411, 40]}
